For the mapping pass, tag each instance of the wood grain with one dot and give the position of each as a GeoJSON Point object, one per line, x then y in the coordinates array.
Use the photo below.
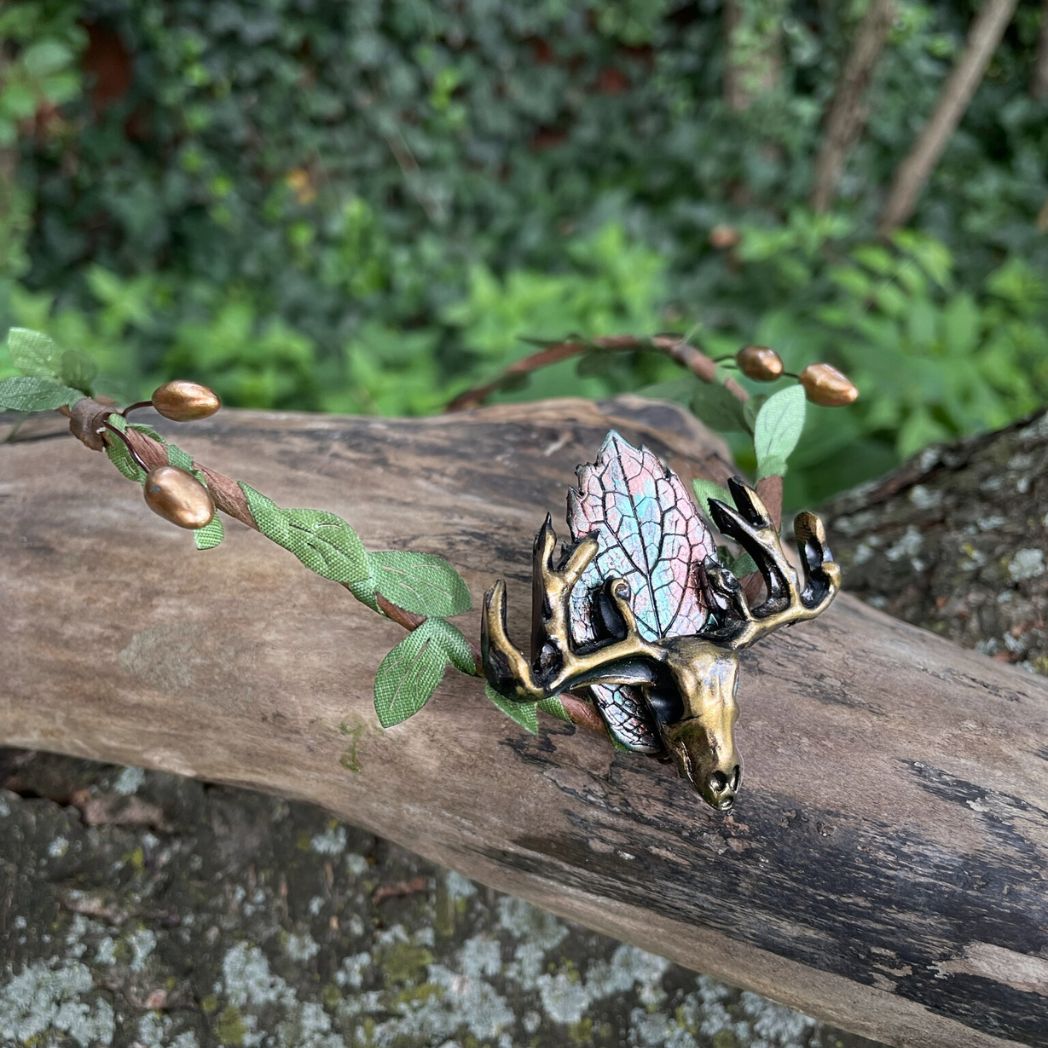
{"type": "Point", "coordinates": [885, 867]}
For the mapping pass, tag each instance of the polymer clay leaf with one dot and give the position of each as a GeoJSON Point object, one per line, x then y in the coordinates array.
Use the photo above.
{"type": "Point", "coordinates": [649, 533]}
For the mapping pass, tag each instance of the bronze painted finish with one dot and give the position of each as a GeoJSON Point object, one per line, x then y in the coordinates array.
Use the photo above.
{"type": "Point", "coordinates": [824, 384]}
{"type": "Point", "coordinates": [694, 676]}
{"type": "Point", "coordinates": [759, 362]}
{"type": "Point", "coordinates": [183, 401]}
{"type": "Point", "coordinates": [178, 497]}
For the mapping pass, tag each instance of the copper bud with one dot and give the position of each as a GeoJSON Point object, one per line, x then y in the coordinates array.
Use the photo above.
{"type": "Point", "coordinates": [824, 384]}
{"type": "Point", "coordinates": [179, 497]}
{"type": "Point", "coordinates": [723, 236]}
{"type": "Point", "coordinates": [184, 401]}
{"type": "Point", "coordinates": [759, 362]}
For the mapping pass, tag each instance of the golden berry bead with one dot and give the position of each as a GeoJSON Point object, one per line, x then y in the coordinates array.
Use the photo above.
{"type": "Point", "coordinates": [824, 384]}
{"type": "Point", "coordinates": [184, 401]}
{"type": "Point", "coordinates": [759, 362]}
{"type": "Point", "coordinates": [179, 497]}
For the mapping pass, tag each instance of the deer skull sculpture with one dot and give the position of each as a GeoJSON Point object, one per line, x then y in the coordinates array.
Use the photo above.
{"type": "Point", "coordinates": [640, 611]}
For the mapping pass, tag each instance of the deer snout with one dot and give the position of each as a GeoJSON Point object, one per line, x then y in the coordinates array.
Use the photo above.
{"type": "Point", "coordinates": [721, 788]}
{"type": "Point", "coordinates": [710, 763]}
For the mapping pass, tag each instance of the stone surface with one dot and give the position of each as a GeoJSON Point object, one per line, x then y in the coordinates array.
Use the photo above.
{"type": "Point", "coordinates": [956, 541]}
{"type": "Point", "coordinates": [139, 908]}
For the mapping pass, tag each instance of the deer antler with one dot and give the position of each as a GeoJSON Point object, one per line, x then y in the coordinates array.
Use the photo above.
{"type": "Point", "coordinates": [556, 664]}
{"type": "Point", "coordinates": [787, 601]}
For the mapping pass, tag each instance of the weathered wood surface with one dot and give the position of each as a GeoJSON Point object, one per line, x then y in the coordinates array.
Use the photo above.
{"type": "Point", "coordinates": [885, 867]}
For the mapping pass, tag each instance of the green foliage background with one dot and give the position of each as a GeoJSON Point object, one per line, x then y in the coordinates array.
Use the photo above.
{"type": "Point", "coordinates": [363, 206]}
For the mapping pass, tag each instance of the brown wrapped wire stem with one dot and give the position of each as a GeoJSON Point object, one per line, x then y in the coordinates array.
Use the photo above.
{"type": "Point", "coordinates": [677, 349]}
{"type": "Point", "coordinates": [89, 421]}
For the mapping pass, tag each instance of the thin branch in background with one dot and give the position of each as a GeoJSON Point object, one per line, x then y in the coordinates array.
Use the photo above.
{"type": "Point", "coordinates": [753, 63]}
{"type": "Point", "coordinates": [847, 113]}
{"type": "Point", "coordinates": [1039, 80]}
{"type": "Point", "coordinates": [682, 352]}
{"type": "Point", "coordinates": [914, 171]}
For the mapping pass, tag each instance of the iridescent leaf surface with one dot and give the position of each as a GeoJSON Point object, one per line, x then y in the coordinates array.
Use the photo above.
{"type": "Point", "coordinates": [650, 533]}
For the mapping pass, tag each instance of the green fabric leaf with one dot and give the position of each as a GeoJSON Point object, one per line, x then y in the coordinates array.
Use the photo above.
{"type": "Point", "coordinates": [141, 427]}
{"type": "Point", "coordinates": [522, 713]}
{"type": "Point", "coordinates": [455, 645]}
{"type": "Point", "coordinates": [718, 408]}
{"type": "Point", "coordinates": [210, 535]}
{"type": "Point", "coordinates": [777, 429]}
{"type": "Point", "coordinates": [420, 582]}
{"type": "Point", "coordinates": [35, 393]}
{"type": "Point", "coordinates": [409, 674]}
{"type": "Point", "coordinates": [117, 453]}
{"type": "Point", "coordinates": [33, 353]}
{"type": "Point", "coordinates": [555, 708]}
{"type": "Point", "coordinates": [177, 457]}
{"type": "Point", "coordinates": [324, 542]}
{"type": "Point", "coordinates": [771, 466]}
{"type": "Point", "coordinates": [76, 369]}
{"type": "Point", "coordinates": [707, 489]}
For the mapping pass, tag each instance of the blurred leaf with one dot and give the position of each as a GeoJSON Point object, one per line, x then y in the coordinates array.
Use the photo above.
{"type": "Point", "coordinates": [777, 430]}
{"type": "Point", "coordinates": [34, 353]}
{"type": "Point", "coordinates": [32, 393]}
{"type": "Point", "coordinates": [720, 409]}
{"type": "Point", "coordinates": [740, 565]}
{"type": "Point", "coordinates": [78, 370]}
{"type": "Point", "coordinates": [960, 320]}
{"type": "Point", "coordinates": [751, 409]}
{"type": "Point", "coordinates": [706, 489]}
{"type": "Point", "coordinates": [921, 322]}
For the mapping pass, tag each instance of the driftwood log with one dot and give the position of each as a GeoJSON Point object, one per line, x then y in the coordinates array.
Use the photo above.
{"type": "Point", "coordinates": [885, 867]}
